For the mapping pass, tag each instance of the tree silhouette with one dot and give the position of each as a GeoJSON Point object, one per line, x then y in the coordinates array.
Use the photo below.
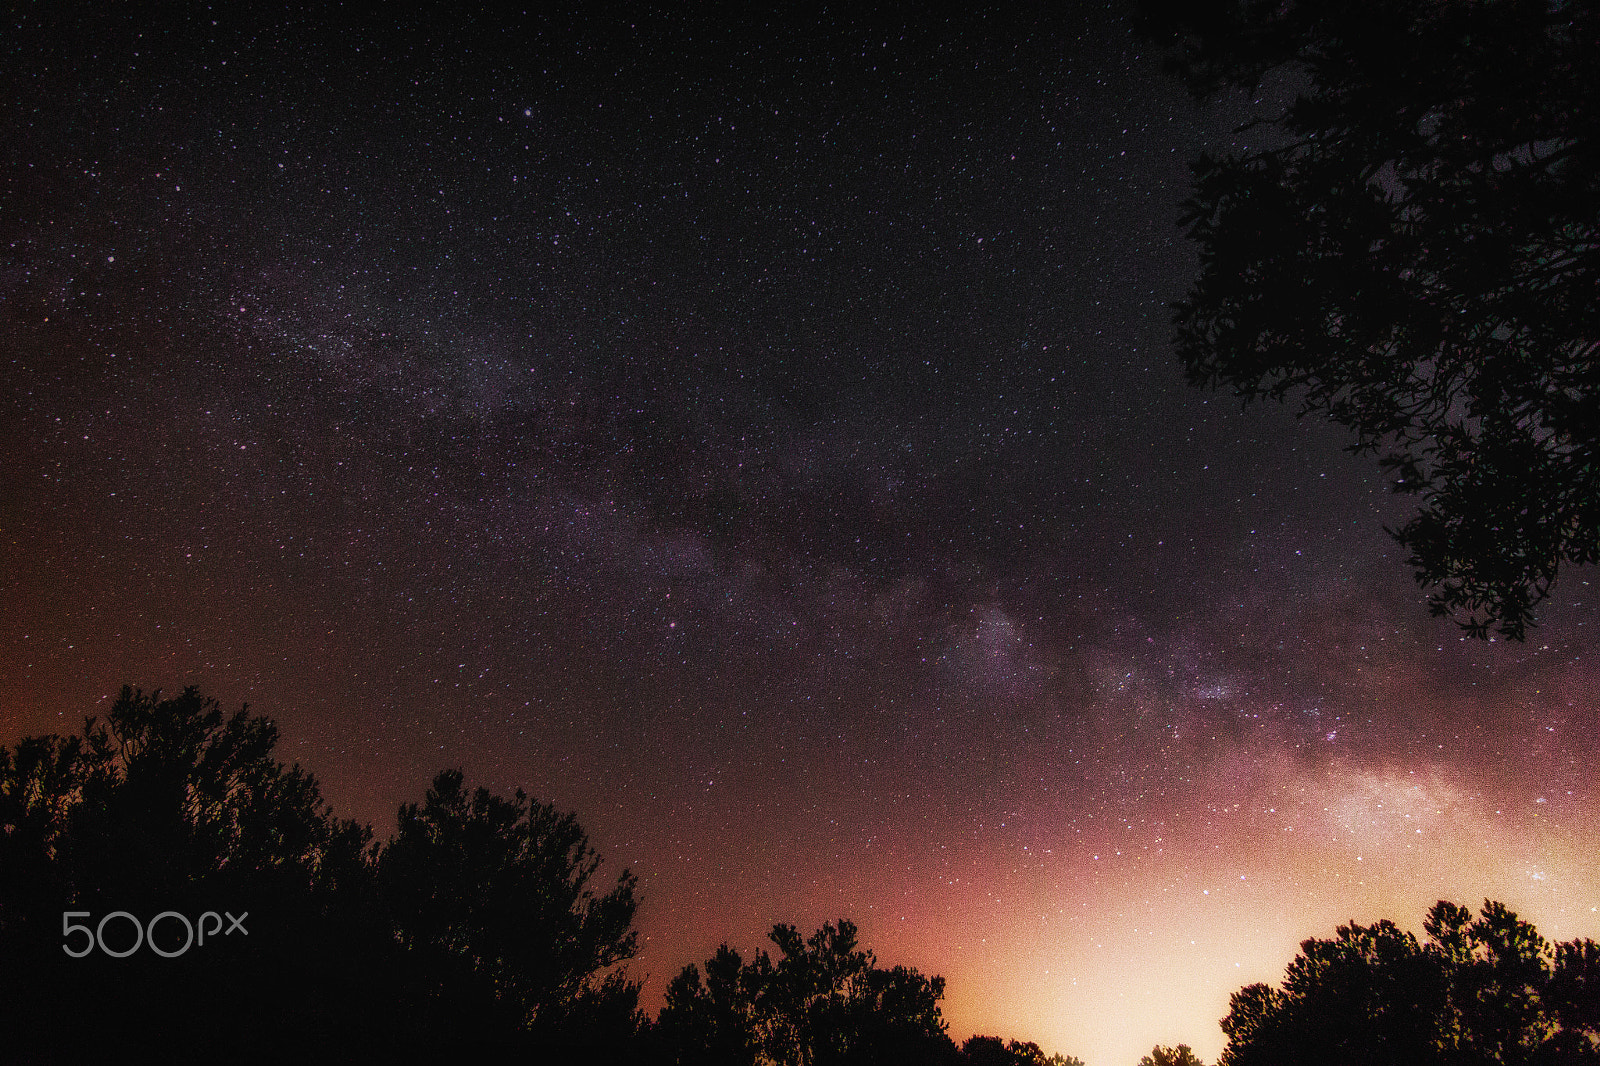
{"type": "Point", "coordinates": [163, 800]}
{"type": "Point", "coordinates": [1489, 990]}
{"type": "Point", "coordinates": [1182, 1055]}
{"type": "Point", "coordinates": [168, 806]}
{"type": "Point", "coordinates": [993, 1051]}
{"type": "Point", "coordinates": [473, 931]}
{"type": "Point", "coordinates": [1412, 248]}
{"type": "Point", "coordinates": [824, 1002]}
{"type": "Point", "coordinates": [713, 1020]}
{"type": "Point", "coordinates": [493, 897]}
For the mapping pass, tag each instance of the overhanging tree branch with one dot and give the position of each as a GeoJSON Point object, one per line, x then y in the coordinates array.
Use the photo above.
{"type": "Point", "coordinates": [1420, 262]}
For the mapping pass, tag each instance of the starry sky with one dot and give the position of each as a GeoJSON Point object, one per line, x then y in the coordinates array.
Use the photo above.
{"type": "Point", "coordinates": [761, 437]}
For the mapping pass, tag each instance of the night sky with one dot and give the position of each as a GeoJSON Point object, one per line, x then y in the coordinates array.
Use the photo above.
{"type": "Point", "coordinates": [761, 438]}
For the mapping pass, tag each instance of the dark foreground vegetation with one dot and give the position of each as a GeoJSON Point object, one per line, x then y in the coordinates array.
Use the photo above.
{"type": "Point", "coordinates": [1408, 248]}
{"type": "Point", "coordinates": [170, 892]}
{"type": "Point", "coordinates": [1484, 990]}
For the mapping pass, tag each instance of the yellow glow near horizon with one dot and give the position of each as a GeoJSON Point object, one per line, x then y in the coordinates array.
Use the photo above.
{"type": "Point", "coordinates": [1104, 971]}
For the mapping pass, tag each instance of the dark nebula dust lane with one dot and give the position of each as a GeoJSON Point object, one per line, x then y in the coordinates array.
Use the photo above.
{"type": "Point", "coordinates": [761, 438]}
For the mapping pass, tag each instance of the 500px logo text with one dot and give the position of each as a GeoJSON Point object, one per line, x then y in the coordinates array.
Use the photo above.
{"type": "Point", "coordinates": [146, 934]}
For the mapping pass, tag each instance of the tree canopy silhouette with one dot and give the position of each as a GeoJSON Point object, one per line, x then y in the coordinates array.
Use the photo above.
{"type": "Point", "coordinates": [166, 802]}
{"type": "Point", "coordinates": [1490, 990]}
{"type": "Point", "coordinates": [474, 930]}
{"type": "Point", "coordinates": [1412, 247]}
{"type": "Point", "coordinates": [168, 806]}
{"type": "Point", "coordinates": [825, 1001]}
{"type": "Point", "coordinates": [496, 893]}
{"type": "Point", "coordinates": [993, 1051]}
{"type": "Point", "coordinates": [1182, 1055]}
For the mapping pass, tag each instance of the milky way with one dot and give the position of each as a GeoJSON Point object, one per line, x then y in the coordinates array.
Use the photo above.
{"type": "Point", "coordinates": [763, 440]}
